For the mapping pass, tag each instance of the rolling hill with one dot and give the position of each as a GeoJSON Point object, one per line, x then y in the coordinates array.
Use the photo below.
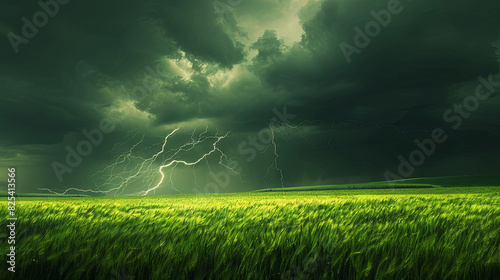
{"type": "Point", "coordinates": [426, 182]}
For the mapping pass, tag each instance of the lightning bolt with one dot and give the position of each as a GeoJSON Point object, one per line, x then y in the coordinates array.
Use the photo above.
{"type": "Point", "coordinates": [176, 162]}
{"type": "Point", "coordinates": [281, 128]}
{"type": "Point", "coordinates": [130, 168]}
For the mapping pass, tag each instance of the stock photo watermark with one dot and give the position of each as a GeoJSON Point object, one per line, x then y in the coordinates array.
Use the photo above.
{"type": "Point", "coordinates": [74, 156]}
{"type": "Point", "coordinates": [93, 138]}
{"type": "Point", "coordinates": [258, 143]}
{"type": "Point", "coordinates": [11, 218]}
{"type": "Point", "coordinates": [30, 28]}
{"type": "Point", "coordinates": [249, 148]}
{"type": "Point", "coordinates": [222, 7]}
{"type": "Point", "coordinates": [455, 117]}
{"type": "Point", "coordinates": [363, 37]}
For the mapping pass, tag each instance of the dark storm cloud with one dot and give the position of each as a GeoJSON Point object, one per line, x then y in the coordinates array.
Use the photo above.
{"type": "Point", "coordinates": [53, 83]}
{"type": "Point", "coordinates": [92, 54]}
{"type": "Point", "coordinates": [405, 77]}
{"type": "Point", "coordinates": [403, 72]}
{"type": "Point", "coordinates": [427, 46]}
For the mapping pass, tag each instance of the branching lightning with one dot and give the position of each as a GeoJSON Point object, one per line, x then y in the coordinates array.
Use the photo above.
{"type": "Point", "coordinates": [129, 168]}
{"type": "Point", "coordinates": [183, 162]}
{"type": "Point", "coordinates": [133, 173]}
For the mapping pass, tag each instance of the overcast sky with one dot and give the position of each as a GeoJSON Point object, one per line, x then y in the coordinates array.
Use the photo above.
{"type": "Point", "coordinates": [344, 106]}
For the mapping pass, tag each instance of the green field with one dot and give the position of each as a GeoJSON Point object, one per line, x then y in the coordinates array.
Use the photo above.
{"type": "Point", "coordinates": [437, 233]}
{"type": "Point", "coordinates": [428, 182]}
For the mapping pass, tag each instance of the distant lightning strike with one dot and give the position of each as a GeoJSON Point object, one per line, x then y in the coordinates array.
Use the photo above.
{"type": "Point", "coordinates": [276, 156]}
{"type": "Point", "coordinates": [145, 171]}
{"type": "Point", "coordinates": [275, 127]}
{"type": "Point", "coordinates": [129, 167]}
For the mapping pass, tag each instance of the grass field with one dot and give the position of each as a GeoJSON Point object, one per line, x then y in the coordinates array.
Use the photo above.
{"type": "Point", "coordinates": [426, 182]}
{"type": "Point", "coordinates": [441, 233]}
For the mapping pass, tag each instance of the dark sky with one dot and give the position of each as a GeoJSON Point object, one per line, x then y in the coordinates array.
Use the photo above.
{"type": "Point", "coordinates": [355, 102]}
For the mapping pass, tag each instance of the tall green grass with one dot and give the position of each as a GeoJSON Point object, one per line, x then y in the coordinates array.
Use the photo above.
{"type": "Point", "coordinates": [300, 235]}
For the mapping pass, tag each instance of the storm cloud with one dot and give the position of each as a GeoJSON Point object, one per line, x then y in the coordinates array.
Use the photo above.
{"type": "Point", "coordinates": [151, 66]}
